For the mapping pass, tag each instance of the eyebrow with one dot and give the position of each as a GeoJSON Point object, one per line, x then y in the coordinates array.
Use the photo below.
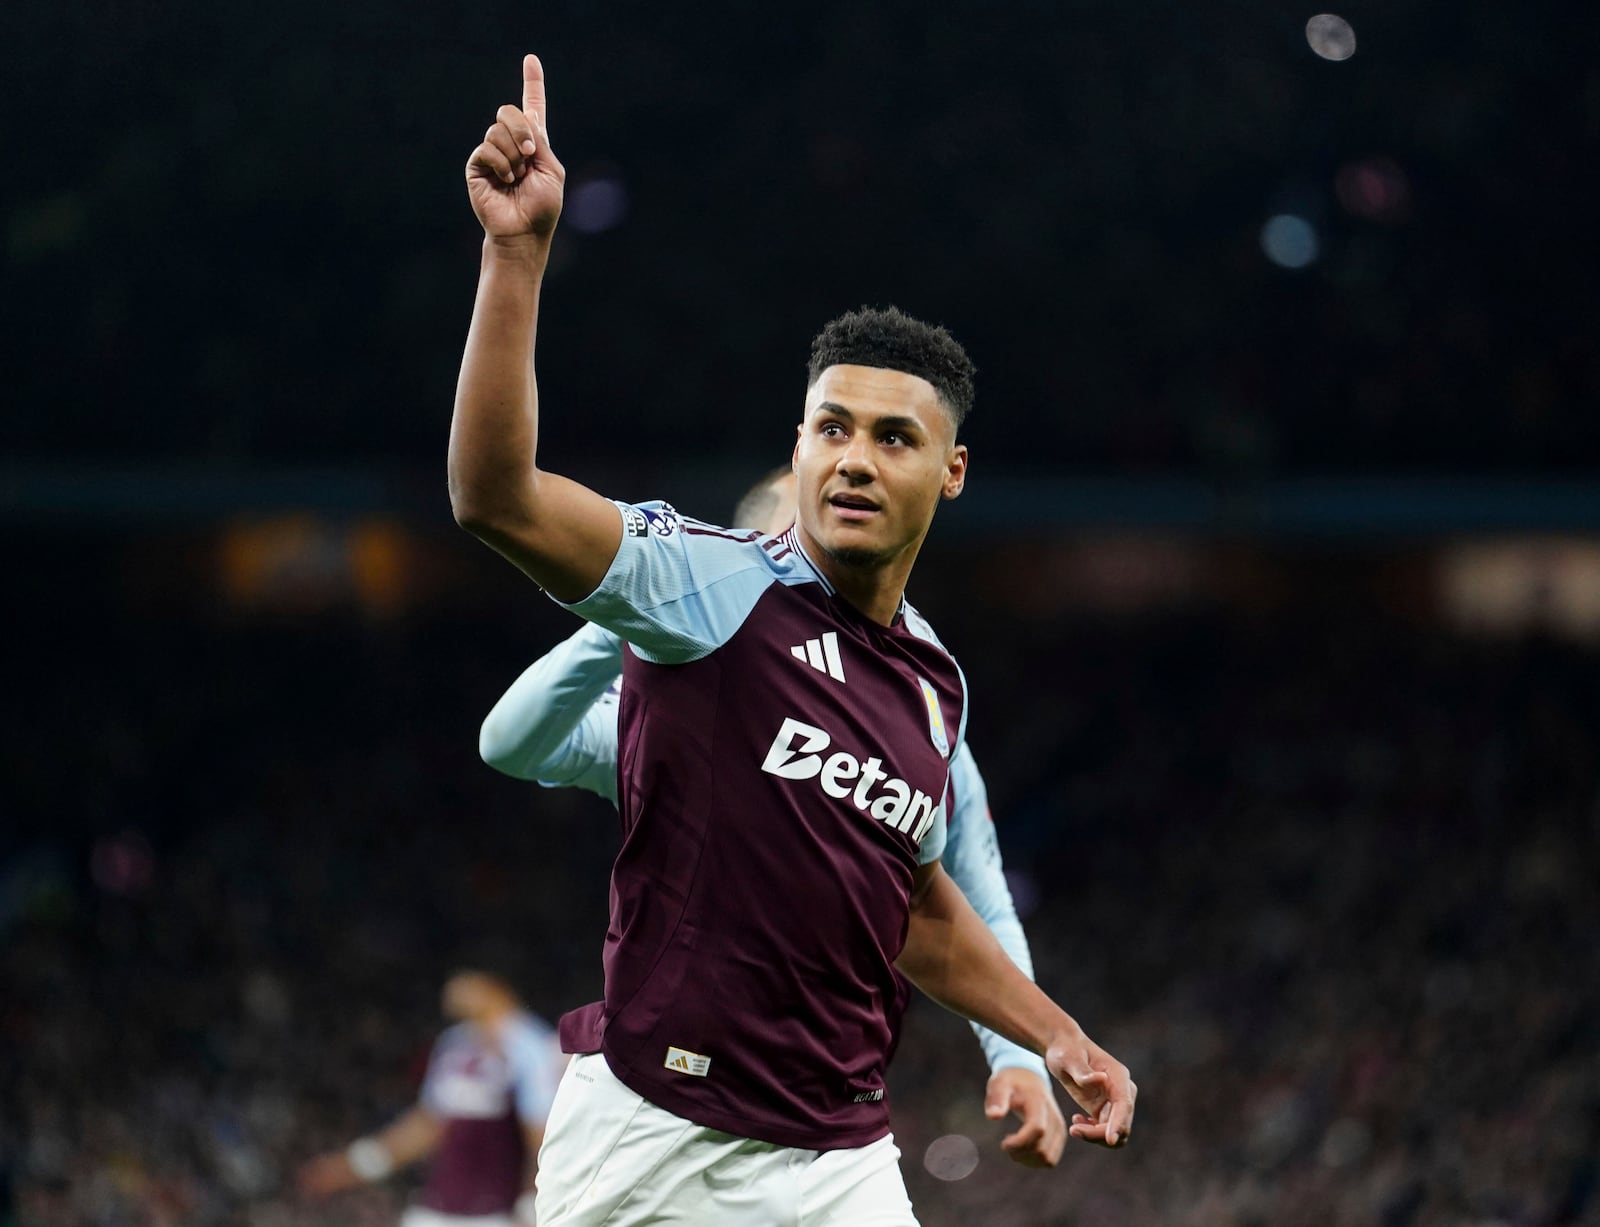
{"type": "Point", "coordinates": [895, 421]}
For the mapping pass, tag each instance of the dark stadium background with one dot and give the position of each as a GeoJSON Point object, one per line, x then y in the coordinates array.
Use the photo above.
{"type": "Point", "coordinates": [1278, 588]}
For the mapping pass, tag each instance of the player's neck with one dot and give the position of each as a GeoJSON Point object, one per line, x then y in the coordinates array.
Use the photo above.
{"type": "Point", "coordinates": [875, 589]}
{"type": "Point", "coordinates": [878, 603]}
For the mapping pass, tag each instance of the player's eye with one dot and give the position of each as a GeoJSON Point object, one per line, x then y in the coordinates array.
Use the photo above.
{"type": "Point", "coordinates": [831, 430]}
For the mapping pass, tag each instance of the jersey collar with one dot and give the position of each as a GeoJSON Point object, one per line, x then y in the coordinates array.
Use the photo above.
{"type": "Point", "coordinates": [792, 539]}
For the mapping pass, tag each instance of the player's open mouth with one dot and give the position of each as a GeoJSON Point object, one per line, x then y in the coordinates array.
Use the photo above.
{"type": "Point", "coordinates": [853, 508]}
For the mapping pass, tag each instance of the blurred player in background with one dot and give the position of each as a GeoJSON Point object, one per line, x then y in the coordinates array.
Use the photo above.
{"type": "Point", "coordinates": [557, 725]}
{"type": "Point", "coordinates": [479, 1119]}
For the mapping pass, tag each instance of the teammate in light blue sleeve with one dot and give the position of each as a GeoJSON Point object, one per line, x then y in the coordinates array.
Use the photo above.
{"type": "Point", "coordinates": [557, 725]}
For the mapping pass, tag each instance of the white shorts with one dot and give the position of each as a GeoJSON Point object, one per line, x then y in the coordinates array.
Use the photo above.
{"type": "Point", "coordinates": [612, 1158]}
{"type": "Point", "coordinates": [421, 1216]}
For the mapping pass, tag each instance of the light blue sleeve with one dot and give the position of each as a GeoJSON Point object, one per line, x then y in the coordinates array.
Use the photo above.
{"type": "Point", "coordinates": [678, 589]}
{"type": "Point", "coordinates": [557, 723]}
{"type": "Point", "coordinates": [935, 844]}
{"type": "Point", "coordinates": [972, 859]}
{"type": "Point", "coordinates": [428, 1095]}
{"type": "Point", "coordinates": [588, 758]}
{"type": "Point", "coordinates": [537, 1062]}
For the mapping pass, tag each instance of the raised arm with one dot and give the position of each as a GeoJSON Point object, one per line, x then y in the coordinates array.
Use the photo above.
{"type": "Point", "coordinates": [559, 532]}
{"type": "Point", "coordinates": [952, 957]}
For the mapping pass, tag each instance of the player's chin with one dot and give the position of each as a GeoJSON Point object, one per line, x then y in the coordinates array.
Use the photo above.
{"type": "Point", "coordinates": [871, 534]}
{"type": "Point", "coordinates": [855, 550]}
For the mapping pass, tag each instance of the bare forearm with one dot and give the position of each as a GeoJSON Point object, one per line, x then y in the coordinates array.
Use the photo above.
{"type": "Point", "coordinates": [953, 958]}
{"type": "Point", "coordinates": [494, 431]}
{"type": "Point", "coordinates": [558, 532]}
{"type": "Point", "coordinates": [951, 955]}
{"type": "Point", "coordinates": [411, 1137]}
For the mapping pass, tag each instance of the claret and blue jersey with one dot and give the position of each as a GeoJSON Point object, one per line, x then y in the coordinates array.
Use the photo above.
{"type": "Point", "coordinates": [484, 1091]}
{"type": "Point", "coordinates": [782, 762]}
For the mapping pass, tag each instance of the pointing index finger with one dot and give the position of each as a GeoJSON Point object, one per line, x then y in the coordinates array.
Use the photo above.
{"type": "Point", "coordinates": [533, 100]}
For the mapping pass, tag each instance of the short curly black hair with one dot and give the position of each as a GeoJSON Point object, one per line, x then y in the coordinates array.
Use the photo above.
{"type": "Point", "coordinates": [889, 338]}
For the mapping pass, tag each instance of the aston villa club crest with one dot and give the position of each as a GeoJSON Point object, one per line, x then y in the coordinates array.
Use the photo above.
{"type": "Point", "coordinates": [941, 740]}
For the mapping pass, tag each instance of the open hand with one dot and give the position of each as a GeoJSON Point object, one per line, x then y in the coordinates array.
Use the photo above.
{"type": "Point", "coordinates": [514, 180]}
{"type": "Point", "coordinates": [1043, 1134]}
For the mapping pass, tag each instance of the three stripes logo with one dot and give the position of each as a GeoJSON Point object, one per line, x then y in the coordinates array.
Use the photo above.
{"type": "Point", "coordinates": [822, 655]}
{"type": "Point", "coordinates": [682, 1061]}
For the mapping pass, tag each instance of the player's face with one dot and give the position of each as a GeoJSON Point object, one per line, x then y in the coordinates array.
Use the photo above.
{"type": "Point", "coordinates": [467, 994]}
{"type": "Point", "coordinates": [876, 453]}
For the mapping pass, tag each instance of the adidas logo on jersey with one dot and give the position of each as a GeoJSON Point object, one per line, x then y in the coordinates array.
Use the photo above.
{"type": "Point", "coordinates": [796, 754]}
{"type": "Point", "coordinates": [681, 1061]}
{"type": "Point", "coordinates": [822, 655]}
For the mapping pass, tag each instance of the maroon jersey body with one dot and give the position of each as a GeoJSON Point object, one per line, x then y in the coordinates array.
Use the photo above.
{"type": "Point", "coordinates": [779, 781]}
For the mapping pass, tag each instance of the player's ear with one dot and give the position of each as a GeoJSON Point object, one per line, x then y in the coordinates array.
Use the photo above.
{"type": "Point", "coordinates": [794, 456]}
{"type": "Point", "coordinates": [955, 472]}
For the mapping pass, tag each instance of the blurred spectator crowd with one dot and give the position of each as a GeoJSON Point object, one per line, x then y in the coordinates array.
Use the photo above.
{"type": "Point", "coordinates": [1326, 882]}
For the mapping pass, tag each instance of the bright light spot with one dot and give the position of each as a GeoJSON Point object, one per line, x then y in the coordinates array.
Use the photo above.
{"type": "Point", "coordinates": [952, 1157]}
{"type": "Point", "coordinates": [1289, 241]}
{"type": "Point", "coordinates": [595, 205]}
{"type": "Point", "coordinates": [1331, 37]}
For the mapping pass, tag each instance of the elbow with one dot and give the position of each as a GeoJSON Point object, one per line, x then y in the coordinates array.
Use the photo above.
{"type": "Point", "coordinates": [496, 747]}
{"type": "Point", "coordinates": [498, 523]}
{"type": "Point", "coordinates": [491, 744]}
{"type": "Point", "coordinates": [490, 502]}
{"type": "Point", "coordinates": [500, 747]}
{"type": "Point", "coordinates": [472, 511]}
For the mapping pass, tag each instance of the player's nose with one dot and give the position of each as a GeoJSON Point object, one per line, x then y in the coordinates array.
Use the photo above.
{"type": "Point", "coordinates": [857, 461]}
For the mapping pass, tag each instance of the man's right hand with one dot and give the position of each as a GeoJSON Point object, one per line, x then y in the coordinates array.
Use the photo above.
{"type": "Point", "coordinates": [514, 180]}
{"type": "Point", "coordinates": [324, 1175]}
{"type": "Point", "coordinates": [1100, 1084]}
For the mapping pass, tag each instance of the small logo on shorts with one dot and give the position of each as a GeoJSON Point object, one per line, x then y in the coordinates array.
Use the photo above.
{"type": "Point", "coordinates": [868, 1096]}
{"type": "Point", "coordinates": [692, 1063]}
